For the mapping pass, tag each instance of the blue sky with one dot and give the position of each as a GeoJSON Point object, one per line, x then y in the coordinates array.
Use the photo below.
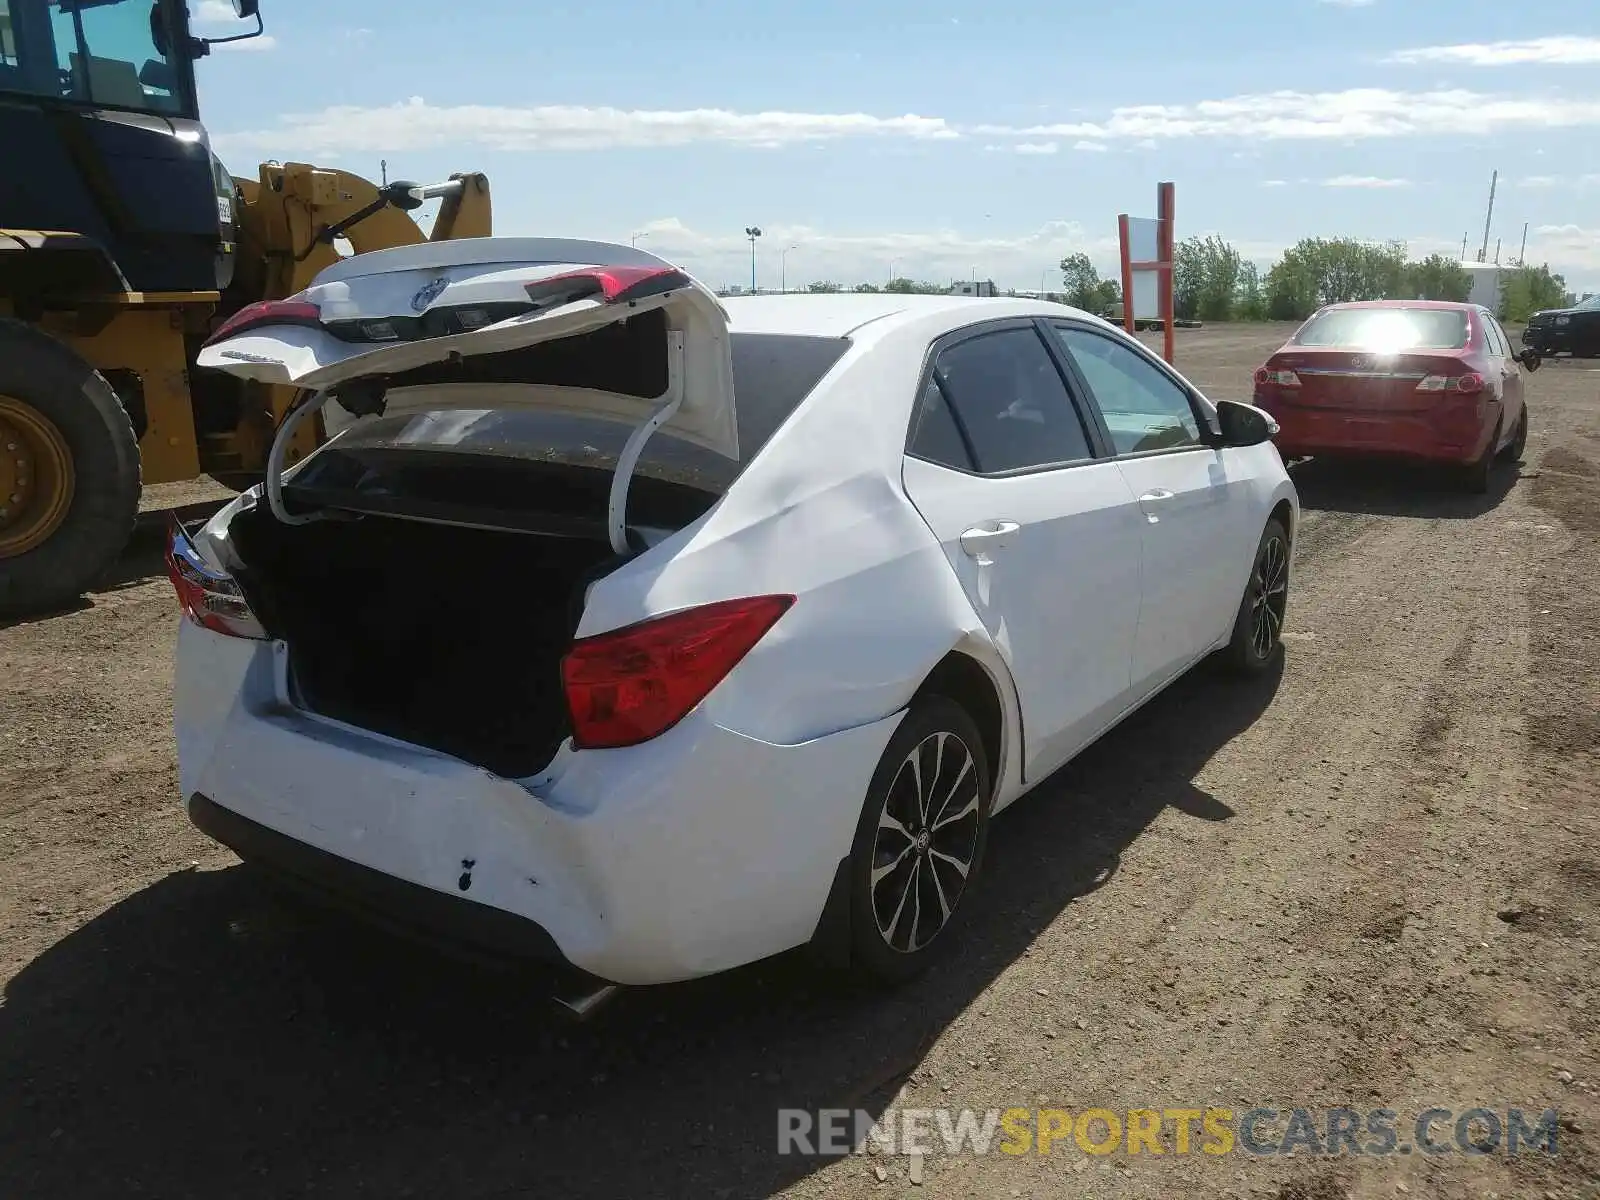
{"type": "Point", "coordinates": [943, 138]}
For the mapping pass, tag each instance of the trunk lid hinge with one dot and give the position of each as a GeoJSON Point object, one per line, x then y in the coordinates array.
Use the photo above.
{"type": "Point", "coordinates": [617, 502]}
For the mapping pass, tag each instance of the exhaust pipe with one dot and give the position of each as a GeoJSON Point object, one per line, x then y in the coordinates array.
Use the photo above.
{"type": "Point", "coordinates": [580, 1005]}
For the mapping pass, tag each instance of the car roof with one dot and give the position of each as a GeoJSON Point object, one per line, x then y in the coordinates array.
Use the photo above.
{"type": "Point", "coordinates": [842, 314]}
{"type": "Point", "coordinates": [1452, 305]}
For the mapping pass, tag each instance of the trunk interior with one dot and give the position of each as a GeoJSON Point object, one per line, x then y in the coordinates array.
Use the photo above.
{"type": "Point", "coordinates": [444, 636]}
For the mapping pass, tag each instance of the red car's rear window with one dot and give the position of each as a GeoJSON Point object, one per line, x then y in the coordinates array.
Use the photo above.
{"type": "Point", "coordinates": [1387, 329]}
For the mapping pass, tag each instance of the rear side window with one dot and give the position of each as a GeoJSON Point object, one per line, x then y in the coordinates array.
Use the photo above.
{"type": "Point", "coordinates": [772, 374]}
{"type": "Point", "coordinates": [1009, 405]}
{"type": "Point", "coordinates": [1387, 329]}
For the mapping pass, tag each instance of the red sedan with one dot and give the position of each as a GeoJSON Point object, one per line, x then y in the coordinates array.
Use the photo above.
{"type": "Point", "coordinates": [1411, 379]}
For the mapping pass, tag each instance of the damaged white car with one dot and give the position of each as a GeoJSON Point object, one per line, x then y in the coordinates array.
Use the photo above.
{"type": "Point", "coordinates": [655, 634]}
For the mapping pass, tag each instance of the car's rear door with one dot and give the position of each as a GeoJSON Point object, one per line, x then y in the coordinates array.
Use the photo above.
{"type": "Point", "coordinates": [1200, 527]}
{"type": "Point", "coordinates": [1509, 387]}
{"type": "Point", "coordinates": [1043, 533]}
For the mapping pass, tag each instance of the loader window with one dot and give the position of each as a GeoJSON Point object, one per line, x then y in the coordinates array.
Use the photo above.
{"type": "Point", "coordinates": [101, 52]}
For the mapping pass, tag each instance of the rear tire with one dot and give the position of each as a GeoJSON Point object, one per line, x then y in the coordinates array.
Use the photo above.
{"type": "Point", "coordinates": [1475, 477]}
{"type": "Point", "coordinates": [1519, 442]}
{"type": "Point", "coordinates": [84, 412]}
{"type": "Point", "coordinates": [1257, 640]}
{"type": "Point", "coordinates": [919, 843]}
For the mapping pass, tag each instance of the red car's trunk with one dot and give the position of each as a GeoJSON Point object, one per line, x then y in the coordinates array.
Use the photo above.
{"type": "Point", "coordinates": [1365, 382]}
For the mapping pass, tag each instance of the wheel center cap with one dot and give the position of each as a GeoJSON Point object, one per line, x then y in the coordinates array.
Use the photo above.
{"type": "Point", "coordinates": [924, 840]}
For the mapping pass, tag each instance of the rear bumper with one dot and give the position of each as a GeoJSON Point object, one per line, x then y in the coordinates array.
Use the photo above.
{"type": "Point", "coordinates": [692, 854]}
{"type": "Point", "coordinates": [1330, 433]}
{"type": "Point", "coordinates": [372, 894]}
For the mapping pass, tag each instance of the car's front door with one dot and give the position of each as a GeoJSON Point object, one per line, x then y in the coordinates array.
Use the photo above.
{"type": "Point", "coordinates": [1044, 536]}
{"type": "Point", "coordinates": [1196, 500]}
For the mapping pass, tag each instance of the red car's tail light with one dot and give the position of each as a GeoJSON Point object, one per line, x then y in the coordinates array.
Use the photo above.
{"type": "Point", "coordinates": [292, 311]}
{"type": "Point", "coordinates": [1469, 384]}
{"type": "Point", "coordinates": [633, 684]}
{"type": "Point", "coordinates": [1287, 379]}
{"type": "Point", "coordinates": [208, 597]}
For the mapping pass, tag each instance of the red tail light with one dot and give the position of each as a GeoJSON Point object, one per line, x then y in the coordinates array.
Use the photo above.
{"type": "Point", "coordinates": [268, 312]}
{"type": "Point", "coordinates": [1469, 384]}
{"type": "Point", "coordinates": [208, 597]}
{"type": "Point", "coordinates": [633, 684]}
{"type": "Point", "coordinates": [613, 285]}
{"type": "Point", "coordinates": [1266, 375]}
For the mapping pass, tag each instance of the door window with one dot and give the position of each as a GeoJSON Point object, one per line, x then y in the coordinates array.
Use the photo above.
{"type": "Point", "coordinates": [109, 52]}
{"type": "Point", "coordinates": [1004, 402]}
{"type": "Point", "coordinates": [1498, 345]}
{"type": "Point", "coordinates": [1144, 408]}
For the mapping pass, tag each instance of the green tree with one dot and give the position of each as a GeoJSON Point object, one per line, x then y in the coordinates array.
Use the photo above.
{"type": "Point", "coordinates": [900, 285]}
{"type": "Point", "coordinates": [824, 286]}
{"type": "Point", "coordinates": [1084, 288]}
{"type": "Point", "coordinates": [1525, 290]}
{"type": "Point", "coordinates": [1249, 300]}
{"type": "Point", "coordinates": [1438, 277]}
{"type": "Point", "coordinates": [1205, 278]}
{"type": "Point", "coordinates": [866, 287]}
{"type": "Point", "coordinates": [1318, 271]}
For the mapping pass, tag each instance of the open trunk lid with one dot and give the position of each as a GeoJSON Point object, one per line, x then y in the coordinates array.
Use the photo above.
{"type": "Point", "coordinates": [378, 315]}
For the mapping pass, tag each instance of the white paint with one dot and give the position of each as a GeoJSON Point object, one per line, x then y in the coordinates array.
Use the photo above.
{"type": "Point", "coordinates": [716, 843]}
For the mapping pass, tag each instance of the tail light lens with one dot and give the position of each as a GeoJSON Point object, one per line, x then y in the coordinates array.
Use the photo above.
{"type": "Point", "coordinates": [1469, 384]}
{"type": "Point", "coordinates": [633, 684]}
{"type": "Point", "coordinates": [609, 285]}
{"type": "Point", "coordinates": [292, 311]}
{"type": "Point", "coordinates": [1287, 379]}
{"type": "Point", "coordinates": [208, 597]}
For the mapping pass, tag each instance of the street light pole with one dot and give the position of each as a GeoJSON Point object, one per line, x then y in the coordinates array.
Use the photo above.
{"type": "Point", "coordinates": [634, 240]}
{"type": "Point", "coordinates": [783, 268]}
{"type": "Point", "coordinates": [752, 232]}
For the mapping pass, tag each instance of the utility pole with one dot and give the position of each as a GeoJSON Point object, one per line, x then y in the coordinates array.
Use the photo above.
{"type": "Point", "coordinates": [1463, 247]}
{"type": "Point", "coordinates": [1497, 242]}
{"type": "Point", "coordinates": [1488, 218]}
{"type": "Point", "coordinates": [752, 232]}
{"type": "Point", "coordinates": [383, 165]}
{"type": "Point", "coordinates": [1522, 255]}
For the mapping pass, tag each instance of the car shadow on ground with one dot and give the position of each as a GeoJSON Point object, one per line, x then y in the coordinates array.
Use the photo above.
{"type": "Point", "coordinates": [200, 1039]}
{"type": "Point", "coordinates": [1398, 489]}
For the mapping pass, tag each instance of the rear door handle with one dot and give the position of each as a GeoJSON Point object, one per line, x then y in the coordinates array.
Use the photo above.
{"type": "Point", "coordinates": [1151, 501]}
{"type": "Point", "coordinates": [977, 542]}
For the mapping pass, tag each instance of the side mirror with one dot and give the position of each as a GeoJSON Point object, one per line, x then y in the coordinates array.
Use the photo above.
{"type": "Point", "coordinates": [245, 9]}
{"type": "Point", "coordinates": [1244, 424]}
{"type": "Point", "coordinates": [1529, 358]}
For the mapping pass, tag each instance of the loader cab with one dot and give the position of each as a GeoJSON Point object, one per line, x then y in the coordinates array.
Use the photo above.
{"type": "Point", "coordinates": [101, 126]}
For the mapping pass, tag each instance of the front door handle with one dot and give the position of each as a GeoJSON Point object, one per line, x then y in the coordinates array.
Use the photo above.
{"type": "Point", "coordinates": [977, 542]}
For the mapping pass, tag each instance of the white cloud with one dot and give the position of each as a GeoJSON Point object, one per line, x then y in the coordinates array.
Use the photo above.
{"type": "Point", "coordinates": [1349, 3]}
{"type": "Point", "coordinates": [1037, 147]}
{"type": "Point", "coordinates": [1090, 147]}
{"type": "Point", "coordinates": [1563, 50]}
{"type": "Point", "coordinates": [1364, 181]}
{"type": "Point", "coordinates": [1274, 183]}
{"type": "Point", "coordinates": [250, 45]}
{"type": "Point", "coordinates": [1354, 114]}
{"type": "Point", "coordinates": [417, 125]}
{"type": "Point", "coordinates": [1546, 182]}
{"type": "Point", "coordinates": [1351, 115]}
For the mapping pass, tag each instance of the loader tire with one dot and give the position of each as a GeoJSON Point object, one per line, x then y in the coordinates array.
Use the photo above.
{"type": "Point", "coordinates": [71, 474]}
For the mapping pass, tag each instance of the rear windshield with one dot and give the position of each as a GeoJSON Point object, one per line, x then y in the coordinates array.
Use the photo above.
{"type": "Point", "coordinates": [1387, 329]}
{"type": "Point", "coordinates": [772, 374]}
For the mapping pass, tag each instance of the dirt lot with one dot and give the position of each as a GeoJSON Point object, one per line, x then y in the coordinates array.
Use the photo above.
{"type": "Point", "coordinates": [1373, 881]}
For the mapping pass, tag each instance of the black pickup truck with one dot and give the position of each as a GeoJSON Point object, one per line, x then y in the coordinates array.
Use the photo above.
{"type": "Point", "coordinates": [1574, 330]}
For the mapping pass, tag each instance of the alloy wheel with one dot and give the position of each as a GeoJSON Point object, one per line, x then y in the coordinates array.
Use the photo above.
{"type": "Point", "coordinates": [925, 843]}
{"type": "Point", "coordinates": [1269, 596]}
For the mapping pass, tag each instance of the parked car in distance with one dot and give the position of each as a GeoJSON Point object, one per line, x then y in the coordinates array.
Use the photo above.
{"type": "Point", "coordinates": [1422, 380]}
{"type": "Point", "coordinates": [1574, 330]}
{"type": "Point", "coordinates": [658, 635]}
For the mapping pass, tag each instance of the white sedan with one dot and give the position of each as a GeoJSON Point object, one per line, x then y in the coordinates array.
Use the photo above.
{"type": "Point", "coordinates": [657, 635]}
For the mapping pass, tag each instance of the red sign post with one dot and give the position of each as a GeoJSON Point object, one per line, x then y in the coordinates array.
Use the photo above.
{"type": "Point", "coordinates": [1147, 266]}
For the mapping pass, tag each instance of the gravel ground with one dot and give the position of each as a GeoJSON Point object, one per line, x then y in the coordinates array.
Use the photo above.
{"type": "Point", "coordinates": [1372, 881]}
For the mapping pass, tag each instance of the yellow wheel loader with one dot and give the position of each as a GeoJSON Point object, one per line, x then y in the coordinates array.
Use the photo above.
{"type": "Point", "coordinates": [123, 244]}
